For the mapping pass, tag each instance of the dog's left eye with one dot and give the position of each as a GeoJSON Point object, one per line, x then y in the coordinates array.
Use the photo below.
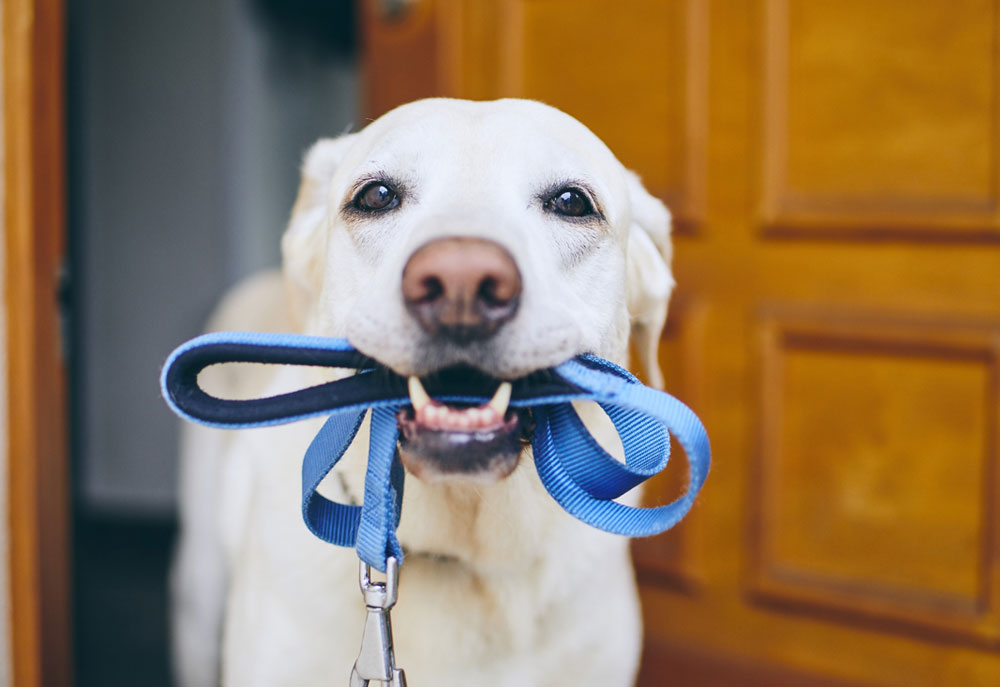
{"type": "Point", "coordinates": [570, 202]}
{"type": "Point", "coordinates": [376, 197]}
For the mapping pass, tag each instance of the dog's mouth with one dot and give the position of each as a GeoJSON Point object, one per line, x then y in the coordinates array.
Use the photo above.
{"type": "Point", "coordinates": [440, 440]}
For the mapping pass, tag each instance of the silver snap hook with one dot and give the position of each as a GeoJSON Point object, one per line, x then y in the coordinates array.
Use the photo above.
{"type": "Point", "coordinates": [377, 661]}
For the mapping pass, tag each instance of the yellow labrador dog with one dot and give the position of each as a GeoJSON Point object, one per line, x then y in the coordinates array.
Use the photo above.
{"type": "Point", "coordinates": [502, 236]}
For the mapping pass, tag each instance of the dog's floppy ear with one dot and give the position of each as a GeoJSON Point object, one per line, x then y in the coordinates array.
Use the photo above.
{"type": "Point", "coordinates": [648, 276]}
{"type": "Point", "coordinates": [304, 242]}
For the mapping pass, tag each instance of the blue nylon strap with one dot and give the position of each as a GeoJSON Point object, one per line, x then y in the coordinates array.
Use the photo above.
{"type": "Point", "coordinates": [592, 468]}
{"type": "Point", "coordinates": [552, 454]}
{"type": "Point", "coordinates": [383, 493]}
{"type": "Point", "coordinates": [580, 475]}
{"type": "Point", "coordinates": [334, 522]}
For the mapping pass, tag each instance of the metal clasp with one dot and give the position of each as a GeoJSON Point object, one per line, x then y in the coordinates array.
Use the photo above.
{"type": "Point", "coordinates": [377, 661]}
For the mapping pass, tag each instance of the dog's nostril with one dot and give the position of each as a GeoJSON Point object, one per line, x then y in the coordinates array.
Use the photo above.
{"type": "Point", "coordinates": [488, 293]}
{"type": "Point", "coordinates": [433, 290]}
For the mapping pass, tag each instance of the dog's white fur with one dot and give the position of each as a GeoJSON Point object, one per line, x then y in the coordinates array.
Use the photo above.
{"type": "Point", "coordinates": [500, 587]}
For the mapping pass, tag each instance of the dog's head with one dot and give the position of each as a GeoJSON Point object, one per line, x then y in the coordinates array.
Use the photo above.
{"type": "Point", "coordinates": [482, 239]}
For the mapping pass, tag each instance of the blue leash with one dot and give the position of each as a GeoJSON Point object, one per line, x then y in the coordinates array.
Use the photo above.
{"type": "Point", "coordinates": [580, 475]}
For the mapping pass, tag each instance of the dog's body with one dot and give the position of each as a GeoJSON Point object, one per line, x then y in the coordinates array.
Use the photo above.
{"type": "Point", "coordinates": [500, 587]}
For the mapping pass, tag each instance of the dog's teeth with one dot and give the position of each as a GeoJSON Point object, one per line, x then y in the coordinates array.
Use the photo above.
{"type": "Point", "coordinates": [437, 416]}
{"type": "Point", "coordinates": [418, 396]}
{"type": "Point", "coordinates": [501, 399]}
{"type": "Point", "coordinates": [447, 418]}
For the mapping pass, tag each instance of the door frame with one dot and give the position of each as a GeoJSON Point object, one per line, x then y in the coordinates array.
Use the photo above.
{"type": "Point", "coordinates": [33, 82]}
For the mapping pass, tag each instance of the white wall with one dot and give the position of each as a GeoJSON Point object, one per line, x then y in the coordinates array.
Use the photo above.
{"type": "Point", "coordinates": [188, 122]}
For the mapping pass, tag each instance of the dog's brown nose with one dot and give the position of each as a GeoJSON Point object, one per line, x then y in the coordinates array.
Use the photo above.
{"type": "Point", "coordinates": [461, 288]}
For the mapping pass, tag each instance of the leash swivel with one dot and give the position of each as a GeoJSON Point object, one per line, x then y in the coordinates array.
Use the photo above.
{"type": "Point", "coordinates": [377, 660]}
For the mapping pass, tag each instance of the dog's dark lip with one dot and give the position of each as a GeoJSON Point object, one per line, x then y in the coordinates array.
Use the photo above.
{"type": "Point", "coordinates": [491, 452]}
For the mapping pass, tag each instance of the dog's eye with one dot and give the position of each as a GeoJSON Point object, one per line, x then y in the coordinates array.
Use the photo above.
{"type": "Point", "coordinates": [376, 197]}
{"type": "Point", "coordinates": [570, 202]}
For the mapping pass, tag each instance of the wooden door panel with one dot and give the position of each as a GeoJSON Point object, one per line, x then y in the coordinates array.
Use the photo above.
{"type": "Point", "coordinates": [876, 471]}
{"type": "Point", "coordinates": [881, 114]}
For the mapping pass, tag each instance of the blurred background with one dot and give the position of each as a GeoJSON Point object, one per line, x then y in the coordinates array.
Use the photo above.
{"type": "Point", "coordinates": [187, 122]}
{"type": "Point", "coordinates": [832, 166]}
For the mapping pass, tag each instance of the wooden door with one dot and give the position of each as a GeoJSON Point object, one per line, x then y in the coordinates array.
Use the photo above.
{"type": "Point", "coordinates": [833, 165]}
{"type": "Point", "coordinates": [37, 516]}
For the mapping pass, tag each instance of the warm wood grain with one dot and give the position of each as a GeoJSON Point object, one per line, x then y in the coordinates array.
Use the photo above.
{"type": "Point", "coordinates": [879, 506]}
{"type": "Point", "coordinates": [34, 227]}
{"type": "Point", "coordinates": [403, 55]}
{"type": "Point", "coordinates": [920, 154]}
{"type": "Point", "coordinates": [838, 317]}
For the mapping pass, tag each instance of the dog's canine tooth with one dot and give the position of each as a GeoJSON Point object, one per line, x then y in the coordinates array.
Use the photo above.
{"type": "Point", "coordinates": [501, 399]}
{"type": "Point", "coordinates": [418, 395]}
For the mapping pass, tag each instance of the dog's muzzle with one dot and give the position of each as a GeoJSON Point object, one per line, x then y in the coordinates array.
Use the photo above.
{"type": "Point", "coordinates": [461, 290]}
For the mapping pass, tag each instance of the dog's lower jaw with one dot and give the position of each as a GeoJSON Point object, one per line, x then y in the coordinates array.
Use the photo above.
{"type": "Point", "coordinates": [477, 457]}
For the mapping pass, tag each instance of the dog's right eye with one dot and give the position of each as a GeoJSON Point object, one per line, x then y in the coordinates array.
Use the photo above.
{"type": "Point", "coordinates": [570, 202]}
{"type": "Point", "coordinates": [376, 197]}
